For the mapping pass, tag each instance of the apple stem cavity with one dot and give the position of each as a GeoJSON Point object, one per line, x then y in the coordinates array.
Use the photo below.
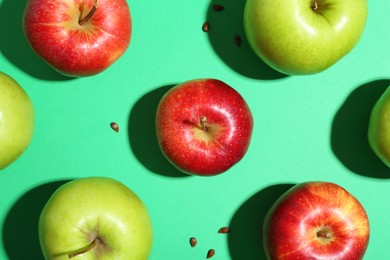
{"type": "Point", "coordinates": [85, 249]}
{"type": "Point", "coordinates": [82, 21]}
{"type": "Point", "coordinates": [324, 234]}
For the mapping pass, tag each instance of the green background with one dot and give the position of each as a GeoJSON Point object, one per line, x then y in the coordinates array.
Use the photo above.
{"type": "Point", "coordinates": [306, 128]}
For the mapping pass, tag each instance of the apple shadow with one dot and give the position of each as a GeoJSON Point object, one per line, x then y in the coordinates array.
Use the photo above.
{"type": "Point", "coordinates": [14, 45]}
{"type": "Point", "coordinates": [142, 135]}
{"type": "Point", "coordinates": [20, 228]}
{"type": "Point", "coordinates": [224, 28]}
{"type": "Point", "coordinates": [349, 131]}
{"type": "Point", "coordinates": [245, 239]}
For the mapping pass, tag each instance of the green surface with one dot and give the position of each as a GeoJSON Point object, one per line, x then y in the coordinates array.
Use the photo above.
{"type": "Point", "coordinates": [306, 128]}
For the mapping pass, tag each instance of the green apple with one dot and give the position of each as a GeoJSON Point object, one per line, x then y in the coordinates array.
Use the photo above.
{"type": "Point", "coordinates": [16, 120]}
{"type": "Point", "coordinates": [301, 37]}
{"type": "Point", "coordinates": [379, 128]}
{"type": "Point", "coordinates": [95, 218]}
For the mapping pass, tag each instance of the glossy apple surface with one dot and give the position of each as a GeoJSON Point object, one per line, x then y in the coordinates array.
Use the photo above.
{"type": "Point", "coordinates": [316, 220]}
{"type": "Point", "coordinates": [95, 218]}
{"type": "Point", "coordinates": [379, 128]}
{"type": "Point", "coordinates": [203, 126]}
{"type": "Point", "coordinates": [16, 120]}
{"type": "Point", "coordinates": [303, 37]}
{"type": "Point", "coordinates": [78, 37]}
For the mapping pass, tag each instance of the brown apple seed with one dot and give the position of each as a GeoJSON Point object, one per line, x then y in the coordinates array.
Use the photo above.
{"type": "Point", "coordinates": [210, 253]}
{"type": "Point", "coordinates": [224, 230]}
{"type": "Point", "coordinates": [237, 40]}
{"type": "Point", "coordinates": [218, 8]}
{"type": "Point", "coordinates": [114, 126]}
{"type": "Point", "coordinates": [193, 241]}
{"type": "Point", "coordinates": [205, 26]}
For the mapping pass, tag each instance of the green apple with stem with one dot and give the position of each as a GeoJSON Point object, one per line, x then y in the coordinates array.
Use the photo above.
{"type": "Point", "coordinates": [95, 218]}
{"type": "Point", "coordinates": [379, 127]}
{"type": "Point", "coordinates": [301, 37]}
{"type": "Point", "coordinates": [16, 120]}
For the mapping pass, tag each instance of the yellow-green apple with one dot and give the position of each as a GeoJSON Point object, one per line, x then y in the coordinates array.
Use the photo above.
{"type": "Point", "coordinates": [16, 120]}
{"type": "Point", "coordinates": [316, 220]}
{"type": "Point", "coordinates": [78, 37]}
{"type": "Point", "coordinates": [379, 128]}
{"type": "Point", "coordinates": [95, 218]}
{"type": "Point", "coordinates": [203, 126]}
{"type": "Point", "coordinates": [301, 37]}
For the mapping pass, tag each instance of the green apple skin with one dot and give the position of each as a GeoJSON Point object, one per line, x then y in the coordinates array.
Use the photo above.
{"type": "Point", "coordinates": [302, 37]}
{"type": "Point", "coordinates": [379, 127]}
{"type": "Point", "coordinates": [16, 120]}
{"type": "Point", "coordinates": [84, 209]}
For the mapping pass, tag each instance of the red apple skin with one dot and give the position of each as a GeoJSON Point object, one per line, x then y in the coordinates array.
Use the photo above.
{"type": "Point", "coordinates": [184, 141]}
{"type": "Point", "coordinates": [52, 29]}
{"type": "Point", "coordinates": [291, 226]}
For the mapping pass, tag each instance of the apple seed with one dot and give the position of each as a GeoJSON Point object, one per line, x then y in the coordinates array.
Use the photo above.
{"type": "Point", "coordinates": [210, 253]}
{"type": "Point", "coordinates": [217, 7]}
{"type": "Point", "coordinates": [224, 230]}
{"type": "Point", "coordinates": [237, 40]}
{"type": "Point", "coordinates": [114, 126]}
{"type": "Point", "coordinates": [193, 241]}
{"type": "Point", "coordinates": [205, 26]}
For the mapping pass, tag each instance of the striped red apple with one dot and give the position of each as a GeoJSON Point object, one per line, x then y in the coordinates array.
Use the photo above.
{"type": "Point", "coordinates": [78, 37]}
{"type": "Point", "coordinates": [316, 220]}
{"type": "Point", "coordinates": [204, 126]}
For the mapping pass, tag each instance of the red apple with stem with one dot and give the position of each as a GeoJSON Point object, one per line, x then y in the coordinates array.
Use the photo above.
{"type": "Point", "coordinates": [78, 37]}
{"type": "Point", "coordinates": [316, 220]}
{"type": "Point", "coordinates": [203, 126]}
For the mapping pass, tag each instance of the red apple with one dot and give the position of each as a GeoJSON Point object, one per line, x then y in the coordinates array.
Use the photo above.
{"type": "Point", "coordinates": [316, 220]}
{"type": "Point", "coordinates": [78, 37]}
{"type": "Point", "coordinates": [203, 126]}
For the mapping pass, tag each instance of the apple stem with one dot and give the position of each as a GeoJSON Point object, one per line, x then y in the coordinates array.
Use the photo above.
{"type": "Point", "coordinates": [85, 249]}
{"type": "Point", "coordinates": [324, 234]}
{"type": "Point", "coordinates": [314, 5]}
{"type": "Point", "coordinates": [203, 121]}
{"type": "Point", "coordinates": [90, 14]}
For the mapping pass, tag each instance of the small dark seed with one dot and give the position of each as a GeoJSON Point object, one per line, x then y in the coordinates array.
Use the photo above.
{"type": "Point", "coordinates": [114, 126]}
{"type": "Point", "coordinates": [210, 253]}
{"type": "Point", "coordinates": [237, 40]}
{"type": "Point", "coordinates": [217, 7]}
{"type": "Point", "coordinates": [205, 26]}
{"type": "Point", "coordinates": [193, 241]}
{"type": "Point", "coordinates": [224, 230]}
